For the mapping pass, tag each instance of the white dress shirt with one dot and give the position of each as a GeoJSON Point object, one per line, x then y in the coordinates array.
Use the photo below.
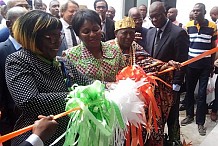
{"type": "Point", "coordinates": [35, 140]}
{"type": "Point", "coordinates": [67, 32]}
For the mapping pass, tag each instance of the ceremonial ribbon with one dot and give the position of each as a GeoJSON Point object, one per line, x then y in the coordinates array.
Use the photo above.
{"type": "Point", "coordinates": [28, 128]}
{"type": "Point", "coordinates": [209, 52]}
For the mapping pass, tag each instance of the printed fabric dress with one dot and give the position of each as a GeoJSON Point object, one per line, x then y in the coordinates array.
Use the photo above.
{"type": "Point", "coordinates": [104, 69]}
{"type": "Point", "coordinates": [163, 94]}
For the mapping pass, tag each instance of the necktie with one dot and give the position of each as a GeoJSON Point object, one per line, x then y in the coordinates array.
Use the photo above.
{"type": "Point", "coordinates": [157, 40]}
{"type": "Point", "coordinates": [73, 36]}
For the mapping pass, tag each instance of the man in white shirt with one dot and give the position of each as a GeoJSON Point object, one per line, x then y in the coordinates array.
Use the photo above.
{"type": "Point", "coordinates": [68, 10]}
{"type": "Point", "coordinates": [146, 21]}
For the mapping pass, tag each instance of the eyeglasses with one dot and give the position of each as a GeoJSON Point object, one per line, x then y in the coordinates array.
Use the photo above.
{"type": "Point", "coordinates": [55, 37]}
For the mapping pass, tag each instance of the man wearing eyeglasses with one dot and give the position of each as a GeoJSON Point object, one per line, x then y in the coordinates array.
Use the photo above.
{"type": "Point", "coordinates": [166, 42]}
{"type": "Point", "coordinates": [9, 112]}
{"type": "Point", "coordinates": [107, 25]}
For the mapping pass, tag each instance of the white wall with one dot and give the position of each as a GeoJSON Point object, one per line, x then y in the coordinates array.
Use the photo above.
{"type": "Point", "coordinates": [185, 6]}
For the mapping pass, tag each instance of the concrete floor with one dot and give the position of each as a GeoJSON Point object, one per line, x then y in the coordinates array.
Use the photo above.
{"type": "Point", "coordinates": [190, 132]}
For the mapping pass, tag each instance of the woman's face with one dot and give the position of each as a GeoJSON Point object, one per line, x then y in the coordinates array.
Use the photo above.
{"type": "Point", "coordinates": [50, 42]}
{"type": "Point", "coordinates": [90, 34]}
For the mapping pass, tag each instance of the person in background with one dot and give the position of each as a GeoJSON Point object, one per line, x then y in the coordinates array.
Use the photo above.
{"type": "Point", "coordinates": [172, 14]}
{"type": "Point", "coordinates": [141, 32]}
{"type": "Point", "coordinates": [36, 80]}
{"type": "Point", "coordinates": [37, 4]}
{"type": "Point", "coordinates": [67, 10]}
{"type": "Point", "coordinates": [214, 14]}
{"type": "Point", "coordinates": [3, 10]}
{"type": "Point", "coordinates": [191, 16]}
{"type": "Point", "coordinates": [95, 59]}
{"type": "Point", "coordinates": [146, 21]}
{"type": "Point", "coordinates": [168, 42]}
{"type": "Point", "coordinates": [42, 130]}
{"type": "Point", "coordinates": [111, 12]}
{"type": "Point", "coordinates": [44, 7]}
{"type": "Point", "coordinates": [107, 25]}
{"type": "Point", "coordinates": [202, 69]}
{"type": "Point", "coordinates": [20, 3]}
{"type": "Point", "coordinates": [54, 8]}
{"type": "Point", "coordinates": [8, 109]}
{"type": "Point", "coordinates": [213, 114]}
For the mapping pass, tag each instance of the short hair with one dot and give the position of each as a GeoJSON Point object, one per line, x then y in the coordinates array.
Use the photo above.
{"type": "Point", "coordinates": [28, 28]}
{"type": "Point", "coordinates": [64, 6]}
{"type": "Point", "coordinates": [201, 5]}
{"type": "Point", "coordinates": [143, 6]}
{"type": "Point", "coordinates": [15, 12]}
{"type": "Point", "coordinates": [81, 16]}
{"type": "Point", "coordinates": [96, 1]}
{"type": "Point", "coordinates": [53, 1]}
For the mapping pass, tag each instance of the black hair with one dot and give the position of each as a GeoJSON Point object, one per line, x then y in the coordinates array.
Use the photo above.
{"type": "Point", "coordinates": [96, 1]}
{"type": "Point", "coordinates": [81, 16]}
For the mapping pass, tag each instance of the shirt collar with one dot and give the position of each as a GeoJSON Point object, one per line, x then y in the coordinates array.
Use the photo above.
{"type": "Point", "coordinates": [17, 46]}
{"type": "Point", "coordinates": [64, 23]}
{"type": "Point", "coordinates": [205, 23]}
{"type": "Point", "coordinates": [163, 28]}
{"type": "Point", "coordinates": [53, 62]}
{"type": "Point", "coordinates": [106, 50]}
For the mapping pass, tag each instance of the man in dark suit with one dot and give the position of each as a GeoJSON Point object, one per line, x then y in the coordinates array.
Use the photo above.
{"type": "Point", "coordinates": [42, 130]}
{"type": "Point", "coordinates": [166, 42]}
{"type": "Point", "coordinates": [101, 8]}
{"type": "Point", "coordinates": [9, 112]}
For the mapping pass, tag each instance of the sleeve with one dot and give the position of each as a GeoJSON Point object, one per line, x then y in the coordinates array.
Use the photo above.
{"type": "Point", "coordinates": [22, 86]}
{"type": "Point", "coordinates": [182, 47]}
{"type": "Point", "coordinates": [35, 140]}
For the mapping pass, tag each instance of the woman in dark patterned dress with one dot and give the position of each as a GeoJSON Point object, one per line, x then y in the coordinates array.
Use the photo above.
{"type": "Point", "coordinates": [125, 34]}
{"type": "Point", "coordinates": [33, 75]}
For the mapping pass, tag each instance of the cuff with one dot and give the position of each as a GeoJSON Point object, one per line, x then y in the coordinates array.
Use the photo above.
{"type": "Point", "coordinates": [35, 140]}
{"type": "Point", "coordinates": [176, 87]}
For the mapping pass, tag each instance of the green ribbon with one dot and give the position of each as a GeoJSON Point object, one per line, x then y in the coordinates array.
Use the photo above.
{"type": "Point", "coordinates": [95, 124]}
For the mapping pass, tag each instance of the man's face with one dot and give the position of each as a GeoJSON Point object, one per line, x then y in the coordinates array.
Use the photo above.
{"type": "Point", "coordinates": [213, 16]}
{"type": "Point", "coordinates": [101, 8]}
{"type": "Point", "coordinates": [198, 13]}
{"type": "Point", "coordinates": [38, 5]}
{"type": "Point", "coordinates": [125, 37]}
{"type": "Point", "coordinates": [110, 13]}
{"type": "Point", "coordinates": [70, 12]}
{"type": "Point", "coordinates": [137, 17]}
{"type": "Point", "coordinates": [143, 11]}
{"type": "Point", "coordinates": [157, 17]}
{"type": "Point", "coordinates": [54, 8]}
{"type": "Point", "coordinates": [171, 14]}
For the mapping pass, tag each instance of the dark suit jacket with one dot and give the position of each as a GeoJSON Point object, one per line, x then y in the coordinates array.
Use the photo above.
{"type": "Point", "coordinates": [7, 105]}
{"type": "Point", "coordinates": [25, 143]}
{"type": "Point", "coordinates": [109, 29]}
{"type": "Point", "coordinates": [173, 45]}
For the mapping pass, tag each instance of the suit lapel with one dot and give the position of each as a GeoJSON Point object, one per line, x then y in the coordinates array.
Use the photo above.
{"type": "Point", "coordinates": [163, 39]}
{"type": "Point", "coordinates": [151, 40]}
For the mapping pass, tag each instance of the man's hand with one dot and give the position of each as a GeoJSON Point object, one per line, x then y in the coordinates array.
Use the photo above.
{"type": "Point", "coordinates": [45, 127]}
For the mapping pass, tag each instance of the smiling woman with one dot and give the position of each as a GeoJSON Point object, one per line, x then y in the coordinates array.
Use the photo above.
{"type": "Point", "coordinates": [34, 77]}
{"type": "Point", "coordinates": [96, 59]}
